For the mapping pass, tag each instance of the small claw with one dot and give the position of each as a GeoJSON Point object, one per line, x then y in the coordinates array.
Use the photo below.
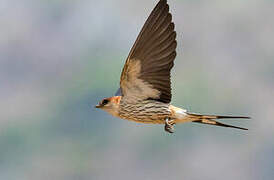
{"type": "Point", "coordinates": [169, 126]}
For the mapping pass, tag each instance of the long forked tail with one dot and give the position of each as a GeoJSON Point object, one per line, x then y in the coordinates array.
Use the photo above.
{"type": "Point", "coordinates": [210, 120]}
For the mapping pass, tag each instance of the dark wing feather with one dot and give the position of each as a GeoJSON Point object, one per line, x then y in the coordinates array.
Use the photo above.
{"type": "Point", "coordinates": [146, 73]}
{"type": "Point", "coordinates": [118, 92]}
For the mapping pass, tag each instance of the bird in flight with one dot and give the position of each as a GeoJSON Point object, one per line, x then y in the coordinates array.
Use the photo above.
{"type": "Point", "coordinates": [145, 90]}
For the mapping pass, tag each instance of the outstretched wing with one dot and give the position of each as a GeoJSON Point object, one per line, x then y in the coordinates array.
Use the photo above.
{"type": "Point", "coordinates": [146, 73]}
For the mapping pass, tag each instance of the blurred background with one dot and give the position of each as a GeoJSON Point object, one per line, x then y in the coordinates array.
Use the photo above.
{"type": "Point", "coordinates": [58, 58]}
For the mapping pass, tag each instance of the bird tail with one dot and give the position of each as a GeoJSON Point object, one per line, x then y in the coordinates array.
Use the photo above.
{"type": "Point", "coordinates": [210, 119]}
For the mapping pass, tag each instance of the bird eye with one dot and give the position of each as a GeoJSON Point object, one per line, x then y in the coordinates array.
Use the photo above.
{"type": "Point", "coordinates": [104, 102]}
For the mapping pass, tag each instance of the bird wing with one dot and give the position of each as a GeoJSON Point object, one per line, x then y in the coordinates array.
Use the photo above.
{"type": "Point", "coordinates": [146, 73]}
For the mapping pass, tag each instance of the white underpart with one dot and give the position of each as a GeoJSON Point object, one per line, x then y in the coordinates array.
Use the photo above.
{"type": "Point", "coordinates": [182, 116]}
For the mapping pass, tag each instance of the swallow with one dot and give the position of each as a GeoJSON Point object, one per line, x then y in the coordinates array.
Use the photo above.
{"type": "Point", "coordinates": [144, 95]}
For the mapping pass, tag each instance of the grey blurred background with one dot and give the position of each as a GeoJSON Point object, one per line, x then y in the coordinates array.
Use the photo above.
{"type": "Point", "coordinates": [58, 58]}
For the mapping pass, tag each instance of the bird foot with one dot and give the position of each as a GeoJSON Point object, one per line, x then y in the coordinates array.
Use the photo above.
{"type": "Point", "coordinates": [169, 126]}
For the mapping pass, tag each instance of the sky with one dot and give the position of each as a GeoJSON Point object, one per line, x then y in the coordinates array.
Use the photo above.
{"type": "Point", "coordinates": [59, 58]}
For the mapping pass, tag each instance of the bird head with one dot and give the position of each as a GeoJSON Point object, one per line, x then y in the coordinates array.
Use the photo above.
{"type": "Point", "coordinates": [110, 105]}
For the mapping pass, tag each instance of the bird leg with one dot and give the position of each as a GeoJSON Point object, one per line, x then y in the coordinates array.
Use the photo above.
{"type": "Point", "coordinates": [169, 126]}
